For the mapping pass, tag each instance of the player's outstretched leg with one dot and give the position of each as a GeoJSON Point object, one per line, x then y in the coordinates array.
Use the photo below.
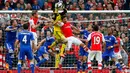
{"type": "Point", "coordinates": [62, 50]}
{"type": "Point", "coordinates": [46, 58]}
{"type": "Point", "coordinates": [61, 61]}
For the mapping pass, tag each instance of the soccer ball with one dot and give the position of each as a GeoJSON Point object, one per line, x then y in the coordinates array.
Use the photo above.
{"type": "Point", "coordinates": [59, 5]}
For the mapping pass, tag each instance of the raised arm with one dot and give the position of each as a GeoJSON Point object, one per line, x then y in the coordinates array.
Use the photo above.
{"type": "Point", "coordinates": [39, 45]}
{"type": "Point", "coordinates": [10, 29]}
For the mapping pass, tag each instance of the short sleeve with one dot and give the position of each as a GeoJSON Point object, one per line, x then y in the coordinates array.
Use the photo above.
{"type": "Point", "coordinates": [9, 27]}
{"type": "Point", "coordinates": [32, 37]}
{"type": "Point", "coordinates": [115, 41]}
{"type": "Point", "coordinates": [31, 22]}
{"type": "Point", "coordinates": [121, 42]}
{"type": "Point", "coordinates": [89, 37]}
{"type": "Point", "coordinates": [82, 32]}
{"type": "Point", "coordinates": [103, 39]}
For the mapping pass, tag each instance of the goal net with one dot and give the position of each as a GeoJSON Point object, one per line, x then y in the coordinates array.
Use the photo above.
{"type": "Point", "coordinates": [119, 20]}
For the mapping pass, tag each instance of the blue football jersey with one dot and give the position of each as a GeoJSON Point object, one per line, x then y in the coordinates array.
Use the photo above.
{"type": "Point", "coordinates": [110, 41]}
{"type": "Point", "coordinates": [85, 36]}
{"type": "Point", "coordinates": [49, 41]}
{"type": "Point", "coordinates": [25, 38]}
{"type": "Point", "coordinates": [11, 35]}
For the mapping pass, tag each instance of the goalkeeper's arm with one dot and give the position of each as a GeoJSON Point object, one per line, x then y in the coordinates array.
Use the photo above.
{"type": "Point", "coordinates": [64, 12]}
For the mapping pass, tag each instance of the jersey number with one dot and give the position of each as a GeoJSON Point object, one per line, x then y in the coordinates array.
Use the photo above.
{"type": "Point", "coordinates": [96, 40]}
{"type": "Point", "coordinates": [25, 39]}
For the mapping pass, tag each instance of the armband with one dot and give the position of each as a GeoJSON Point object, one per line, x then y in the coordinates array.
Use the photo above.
{"type": "Point", "coordinates": [112, 46]}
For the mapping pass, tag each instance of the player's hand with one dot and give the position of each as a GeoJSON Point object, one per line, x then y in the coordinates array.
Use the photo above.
{"type": "Point", "coordinates": [86, 49]}
{"type": "Point", "coordinates": [56, 5]}
{"type": "Point", "coordinates": [16, 50]}
{"type": "Point", "coordinates": [110, 47]}
{"type": "Point", "coordinates": [14, 28]}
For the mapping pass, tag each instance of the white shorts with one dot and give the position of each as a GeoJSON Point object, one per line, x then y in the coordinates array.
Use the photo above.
{"type": "Point", "coordinates": [118, 55]}
{"type": "Point", "coordinates": [97, 54]}
{"type": "Point", "coordinates": [35, 38]}
{"type": "Point", "coordinates": [72, 40]}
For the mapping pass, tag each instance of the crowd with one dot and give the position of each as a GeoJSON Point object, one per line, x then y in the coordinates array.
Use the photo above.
{"type": "Point", "coordinates": [122, 25]}
{"type": "Point", "coordinates": [69, 4]}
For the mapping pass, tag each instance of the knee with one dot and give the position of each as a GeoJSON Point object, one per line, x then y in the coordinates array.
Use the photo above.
{"type": "Point", "coordinates": [19, 61]}
{"type": "Point", "coordinates": [65, 40]}
{"type": "Point", "coordinates": [47, 58]}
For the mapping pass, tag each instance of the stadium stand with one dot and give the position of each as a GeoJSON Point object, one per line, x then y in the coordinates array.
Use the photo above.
{"type": "Point", "coordinates": [122, 25]}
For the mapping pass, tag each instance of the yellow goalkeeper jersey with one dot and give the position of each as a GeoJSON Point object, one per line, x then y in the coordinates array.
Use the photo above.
{"type": "Point", "coordinates": [57, 18]}
{"type": "Point", "coordinates": [56, 27]}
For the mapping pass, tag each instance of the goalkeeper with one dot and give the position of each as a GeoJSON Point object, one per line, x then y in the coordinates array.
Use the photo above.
{"type": "Point", "coordinates": [59, 37]}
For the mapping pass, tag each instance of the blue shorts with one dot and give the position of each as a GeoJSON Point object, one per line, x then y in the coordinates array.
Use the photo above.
{"type": "Point", "coordinates": [25, 52]}
{"type": "Point", "coordinates": [42, 50]}
{"type": "Point", "coordinates": [10, 46]}
{"type": "Point", "coordinates": [108, 54]}
{"type": "Point", "coordinates": [82, 52]}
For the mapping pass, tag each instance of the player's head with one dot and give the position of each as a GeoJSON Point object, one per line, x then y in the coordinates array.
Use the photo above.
{"type": "Point", "coordinates": [89, 28]}
{"type": "Point", "coordinates": [95, 28]}
{"type": "Point", "coordinates": [64, 18]}
{"type": "Point", "coordinates": [109, 30]}
{"type": "Point", "coordinates": [115, 33]}
{"type": "Point", "coordinates": [35, 13]}
{"type": "Point", "coordinates": [13, 23]}
{"type": "Point", "coordinates": [48, 33]}
{"type": "Point", "coordinates": [25, 26]}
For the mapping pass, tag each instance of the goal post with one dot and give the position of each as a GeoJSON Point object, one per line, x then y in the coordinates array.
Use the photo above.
{"type": "Point", "coordinates": [69, 11]}
{"type": "Point", "coordinates": [118, 18]}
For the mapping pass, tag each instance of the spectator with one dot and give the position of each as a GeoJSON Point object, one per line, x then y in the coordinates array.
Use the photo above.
{"type": "Point", "coordinates": [68, 3]}
{"type": "Point", "coordinates": [35, 6]}
{"type": "Point", "coordinates": [128, 24]}
{"type": "Point", "coordinates": [73, 6]}
{"type": "Point", "coordinates": [116, 7]}
{"type": "Point", "coordinates": [50, 4]}
{"type": "Point", "coordinates": [18, 7]}
{"type": "Point", "coordinates": [1, 5]}
{"type": "Point", "coordinates": [88, 5]}
{"type": "Point", "coordinates": [99, 6]}
{"type": "Point", "coordinates": [91, 17]}
{"type": "Point", "coordinates": [45, 7]}
{"type": "Point", "coordinates": [1, 41]}
{"type": "Point", "coordinates": [82, 7]}
{"type": "Point", "coordinates": [41, 3]}
{"type": "Point", "coordinates": [13, 4]}
{"type": "Point", "coordinates": [7, 6]}
{"type": "Point", "coordinates": [109, 7]}
{"type": "Point", "coordinates": [28, 7]}
{"type": "Point", "coordinates": [22, 4]}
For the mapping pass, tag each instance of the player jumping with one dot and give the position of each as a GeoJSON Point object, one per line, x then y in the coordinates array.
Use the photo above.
{"type": "Point", "coordinates": [67, 31]}
{"type": "Point", "coordinates": [59, 37]}
{"type": "Point", "coordinates": [25, 38]}
{"type": "Point", "coordinates": [43, 51]}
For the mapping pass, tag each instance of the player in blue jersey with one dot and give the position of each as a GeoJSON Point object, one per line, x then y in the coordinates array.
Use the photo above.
{"type": "Point", "coordinates": [42, 54]}
{"type": "Point", "coordinates": [82, 53]}
{"type": "Point", "coordinates": [11, 32]}
{"type": "Point", "coordinates": [109, 51]}
{"type": "Point", "coordinates": [26, 39]}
